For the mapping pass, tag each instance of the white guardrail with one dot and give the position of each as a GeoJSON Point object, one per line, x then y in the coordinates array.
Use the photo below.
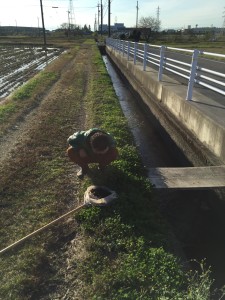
{"type": "Point", "coordinates": [188, 64]}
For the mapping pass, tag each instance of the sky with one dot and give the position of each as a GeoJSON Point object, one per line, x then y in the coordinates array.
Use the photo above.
{"type": "Point", "coordinates": [174, 14]}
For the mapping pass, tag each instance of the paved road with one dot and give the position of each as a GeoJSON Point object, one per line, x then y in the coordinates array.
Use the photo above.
{"type": "Point", "coordinates": [217, 66]}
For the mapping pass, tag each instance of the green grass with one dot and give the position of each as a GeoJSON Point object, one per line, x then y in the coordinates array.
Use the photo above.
{"type": "Point", "coordinates": [29, 88]}
{"type": "Point", "coordinates": [6, 110]}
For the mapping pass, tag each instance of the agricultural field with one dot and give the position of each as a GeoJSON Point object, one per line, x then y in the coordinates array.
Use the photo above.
{"type": "Point", "coordinates": [19, 63]}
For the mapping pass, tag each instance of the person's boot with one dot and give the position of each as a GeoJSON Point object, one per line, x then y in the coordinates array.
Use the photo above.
{"type": "Point", "coordinates": [82, 172]}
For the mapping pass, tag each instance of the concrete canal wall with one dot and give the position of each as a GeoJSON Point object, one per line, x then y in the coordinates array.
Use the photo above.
{"type": "Point", "coordinates": [195, 129]}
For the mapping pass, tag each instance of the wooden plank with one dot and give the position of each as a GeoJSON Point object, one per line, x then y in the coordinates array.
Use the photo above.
{"type": "Point", "coordinates": [186, 178]}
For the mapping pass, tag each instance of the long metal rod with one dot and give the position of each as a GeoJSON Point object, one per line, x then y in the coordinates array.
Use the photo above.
{"type": "Point", "coordinates": [42, 228]}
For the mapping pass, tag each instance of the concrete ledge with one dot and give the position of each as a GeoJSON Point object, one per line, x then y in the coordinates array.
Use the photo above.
{"type": "Point", "coordinates": [171, 94]}
{"type": "Point", "coordinates": [186, 178]}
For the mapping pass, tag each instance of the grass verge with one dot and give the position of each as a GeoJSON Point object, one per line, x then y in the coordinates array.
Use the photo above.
{"type": "Point", "coordinates": [127, 250]}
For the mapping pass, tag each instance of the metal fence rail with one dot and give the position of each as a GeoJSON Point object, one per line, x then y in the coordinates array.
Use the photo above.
{"type": "Point", "coordinates": [193, 65]}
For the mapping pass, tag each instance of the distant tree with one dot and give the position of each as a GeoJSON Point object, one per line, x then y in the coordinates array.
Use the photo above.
{"type": "Point", "coordinates": [73, 27]}
{"type": "Point", "coordinates": [122, 36]}
{"type": "Point", "coordinates": [85, 27]}
{"type": "Point", "coordinates": [135, 35]}
{"type": "Point", "coordinates": [64, 26]}
{"type": "Point", "coordinates": [148, 25]}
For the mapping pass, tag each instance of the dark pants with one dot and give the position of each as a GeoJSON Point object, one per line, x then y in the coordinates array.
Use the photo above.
{"type": "Point", "coordinates": [102, 159]}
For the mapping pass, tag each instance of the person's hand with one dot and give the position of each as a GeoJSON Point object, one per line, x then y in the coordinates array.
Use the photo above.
{"type": "Point", "coordinates": [82, 153]}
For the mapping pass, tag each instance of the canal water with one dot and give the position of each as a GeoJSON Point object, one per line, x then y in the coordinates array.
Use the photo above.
{"type": "Point", "coordinates": [152, 147]}
{"type": "Point", "coordinates": [196, 216]}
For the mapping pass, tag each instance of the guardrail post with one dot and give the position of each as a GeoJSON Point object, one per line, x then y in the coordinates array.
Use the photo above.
{"type": "Point", "coordinates": [192, 74]}
{"type": "Point", "coordinates": [161, 62]}
{"type": "Point", "coordinates": [145, 57]}
{"type": "Point", "coordinates": [128, 51]}
{"type": "Point", "coordinates": [135, 52]}
{"type": "Point", "coordinates": [123, 46]}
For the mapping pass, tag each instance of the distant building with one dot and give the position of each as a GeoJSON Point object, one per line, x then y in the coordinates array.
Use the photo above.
{"type": "Point", "coordinates": [170, 31]}
{"type": "Point", "coordinates": [103, 28]}
{"type": "Point", "coordinates": [195, 30]}
{"type": "Point", "coordinates": [20, 30]}
{"type": "Point", "coordinates": [203, 30]}
{"type": "Point", "coordinates": [118, 27]}
{"type": "Point", "coordinates": [114, 28]}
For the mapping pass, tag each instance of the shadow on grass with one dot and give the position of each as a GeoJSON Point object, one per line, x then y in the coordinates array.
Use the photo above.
{"type": "Point", "coordinates": [135, 204]}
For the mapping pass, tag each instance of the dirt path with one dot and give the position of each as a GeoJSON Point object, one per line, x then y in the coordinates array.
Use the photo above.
{"type": "Point", "coordinates": [38, 183]}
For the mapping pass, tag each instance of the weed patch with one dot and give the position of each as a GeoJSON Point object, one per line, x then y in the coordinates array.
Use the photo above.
{"type": "Point", "coordinates": [28, 89]}
{"type": "Point", "coordinates": [6, 110]}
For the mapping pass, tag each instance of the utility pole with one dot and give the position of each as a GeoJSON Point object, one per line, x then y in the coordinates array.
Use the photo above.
{"type": "Point", "coordinates": [38, 27]}
{"type": "Point", "coordinates": [101, 16]}
{"type": "Point", "coordinates": [137, 15]}
{"type": "Point", "coordinates": [95, 25]}
{"type": "Point", "coordinates": [43, 25]}
{"type": "Point", "coordinates": [68, 22]}
{"type": "Point", "coordinates": [158, 22]}
{"type": "Point", "coordinates": [223, 27]}
{"type": "Point", "coordinates": [109, 18]}
{"type": "Point", "coordinates": [98, 15]}
{"type": "Point", "coordinates": [157, 14]}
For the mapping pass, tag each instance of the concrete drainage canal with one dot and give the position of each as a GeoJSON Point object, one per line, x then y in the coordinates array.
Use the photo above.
{"type": "Point", "coordinates": [195, 216]}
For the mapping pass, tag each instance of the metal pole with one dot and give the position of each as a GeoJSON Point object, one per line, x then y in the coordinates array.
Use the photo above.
{"type": "Point", "coordinates": [68, 23]}
{"type": "Point", "coordinates": [123, 47]}
{"type": "Point", "coordinates": [137, 15]}
{"type": "Point", "coordinates": [101, 16]}
{"type": "Point", "coordinates": [43, 25]}
{"type": "Point", "coordinates": [109, 21]}
{"type": "Point", "coordinates": [135, 52]}
{"type": "Point", "coordinates": [161, 63]}
{"type": "Point", "coordinates": [145, 57]}
{"type": "Point", "coordinates": [192, 74]}
{"type": "Point", "coordinates": [128, 51]}
{"type": "Point", "coordinates": [98, 16]}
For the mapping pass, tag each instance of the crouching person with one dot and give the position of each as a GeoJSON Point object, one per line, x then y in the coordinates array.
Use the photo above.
{"type": "Point", "coordinates": [92, 146]}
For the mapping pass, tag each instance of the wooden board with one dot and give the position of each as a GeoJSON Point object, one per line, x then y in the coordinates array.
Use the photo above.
{"type": "Point", "coordinates": [193, 177]}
